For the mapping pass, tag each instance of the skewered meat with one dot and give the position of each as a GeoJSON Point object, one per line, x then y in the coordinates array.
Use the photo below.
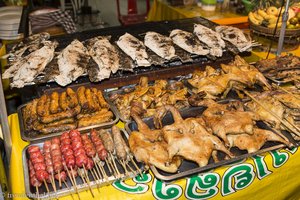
{"type": "Point", "coordinates": [149, 149]}
{"type": "Point", "coordinates": [211, 38]}
{"type": "Point", "coordinates": [54, 106]}
{"type": "Point", "coordinates": [106, 57]}
{"type": "Point", "coordinates": [32, 175]}
{"type": "Point", "coordinates": [37, 159]}
{"type": "Point", "coordinates": [253, 143]}
{"type": "Point", "coordinates": [94, 119]}
{"type": "Point", "coordinates": [235, 36]}
{"type": "Point", "coordinates": [101, 151]}
{"type": "Point", "coordinates": [119, 146]}
{"type": "Point", "coordinates": [107, 140]}
{"type": "Point", "coordinates": [188, 42]}
{"type": "Point", "coordinates": [160, 44]}
{"type": "Point", "coordinates": [188, 138]}
{"type": "Point", "coordinates": [134, 48]}
{"type": "Point", "coordinates": [292, 101]}
{"type": "Point", "coordinates": [26, 69]}
{"type": "Point", "coordinates": [72, 62]}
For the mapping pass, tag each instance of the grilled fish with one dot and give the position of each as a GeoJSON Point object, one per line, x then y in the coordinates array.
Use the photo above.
{"type": "Point", "coordinates": [160, 44]}
{"type": "Point", "coordinates": [72, 62]}
{"type": "Point", "coordinates": [106, 57]}
{"type": "Point", "coordinates": [31, 66]}
{"type": "Point", "coordinates": [235, 36]}
{"type": "Point", "coordinates": [188, 42]}
{"type": "Point", "coordinates": [211, 38]}
{"type": "Point", "coordinates": [134, 48]}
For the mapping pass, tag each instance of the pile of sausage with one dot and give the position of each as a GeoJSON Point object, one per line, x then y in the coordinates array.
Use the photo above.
{"type": "Point", "coordinates": [73, 151]}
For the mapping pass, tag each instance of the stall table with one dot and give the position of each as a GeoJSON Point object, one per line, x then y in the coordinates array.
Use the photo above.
{"type": "Point", "coordinates": [162, 10]}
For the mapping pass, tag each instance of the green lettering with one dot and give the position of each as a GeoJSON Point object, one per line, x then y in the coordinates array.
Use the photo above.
{"type": "Point", "coordinates": [145, 178]}
{"type": "Point", "coordinates": [279, 158]}
{"type": "Point", "coordinates": [293, 150]}
{"type": "Point", "coordinates": [237, 178]}
{"type": "Point", "coordinates": [136, 189]}
{"type": "Point", "coordinates": [207, 183]}
{"type": "Point", "coordinates": [261, 167]}
{"type": "Point", "coordinates": [161, 190]}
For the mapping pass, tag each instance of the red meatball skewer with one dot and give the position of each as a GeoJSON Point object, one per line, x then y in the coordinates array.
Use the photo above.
{"type": "Point", "coordinates": [33, 179]}
{"type": "Point", "coordinates": [48, 161]}
{"type": "Point", "coordinates": [56, 156]}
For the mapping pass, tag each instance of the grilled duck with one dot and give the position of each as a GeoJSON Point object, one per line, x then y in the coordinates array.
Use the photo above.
{"type": "Point", "coordinates": [72, 62]}
{"type": "Point", "coordinates": [235, 36]}
{"type": "Point", "coordinates": [188, 138]}
{"type": "Point", "coordinates": [134, 48]}
{"type": "Point", "coordinates": [147, 146]}
{"type": "Point", "coordinates": [27, 68]}
{"type": "Point", "coordinates": [188, 42]}
{"type": "Point", "coordinates": [211, 38]}
{"type": "Point", "coordinates": [160, 44]}
{"type": "Point", "coordinates": [106, 57]}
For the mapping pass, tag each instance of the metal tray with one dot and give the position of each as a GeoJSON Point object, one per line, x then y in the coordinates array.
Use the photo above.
{"type": "Point", "coordinates": [31, 191]}
{"type": "Point", "coordinates": [188, 168]}
{"type": "Point", "coordinates": [34, 136]}
{"type": "Point", "coordinates": [122, 90]}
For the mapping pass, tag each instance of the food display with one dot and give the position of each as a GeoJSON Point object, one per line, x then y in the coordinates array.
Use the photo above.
{"type": "Point", "coordinates": [98, 57]}
{"type": "Point", "coordinates": [150, 96]}
{"type": "Point", "coordinates": [75, 161]}
{"type": "Point", "coordinates": [281, 69]}
{"type": "Point", "coordinates": [68, 110]}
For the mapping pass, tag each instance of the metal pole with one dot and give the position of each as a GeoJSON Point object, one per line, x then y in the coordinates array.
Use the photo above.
{"type": "Point", "coordinates": [285, 16]}
{"type": "Point", "coordinates": [4, 125]}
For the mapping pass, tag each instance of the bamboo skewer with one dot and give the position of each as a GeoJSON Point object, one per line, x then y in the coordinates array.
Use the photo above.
{"type": "Point", "coordinates": [130, 168]}
{"type": "Point", "coordinates": [46, 185]}
{"type": "Point", "coordinates": [135, 165]}
{"type": "Point", "coordinates": [96, 179]}
{"type": "Point", "coordinates": [59, 179]}
{"type": "Point", "coordinates": [37, 192]}
{"type": "Point", "coordinates": [122, 163]}
{"type": "Point", "coordinates": [102, 171]}
{"type": "Point", "coordinates": [66, 184]}
{"type": "Point", "coordinates": [108, 165]}
{"type": "Point", "coordinates": [114, 164]}
{"type": "Point", "coordinates": [285, 123]}
{"type": "Point", "coordinates": [88, 181]}
{"type": "Point", "coordinates": [75, 184]}
{"type": "Point", "coordinates": [285, 90]}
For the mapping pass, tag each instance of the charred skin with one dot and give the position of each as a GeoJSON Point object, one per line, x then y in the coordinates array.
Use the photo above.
{"type": "Point", "coordinates": [54, 105]}
{"type": "Point", "coordinates": [81, 98]}
{"type": "Point", "coordinates": [72, 98]}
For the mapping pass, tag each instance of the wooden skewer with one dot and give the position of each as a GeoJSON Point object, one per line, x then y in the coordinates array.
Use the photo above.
{"type": "Point", "coordinates": [102, 171]}
{"type": "Point", "coordinates": [53, 182]}
{"type": "Point", "coordinates": [108, 165]}
{"type": "Point", "coordinates": [66, 184]}
{"type": "Point", "coordinates": [96, 179]}
{"type": "Point", "coordinates": [75, 184]}
{"type": "Point", "coordinates": [97, 167]}
{"type": "Point", "coordinates": [88, 181]}
{"type": "Point", "coordinates": [37, 192]}
{"type": "Point", "coordinates": [59, 179]}
{"type": "Point", "coordinates": [135, 165]}
{"type": "Point", "coordinates": [130, 168]}
{"type": "Point", "coordinates": [114, 164]}
{"type": "Point", "coordinates": [286, 123]}
{"type": "Point", "coordinates": [285, 90]}
{"type": "Point", "coordinates": [46, 185]}
{"type": "Point", "coordinates": [81, 176]}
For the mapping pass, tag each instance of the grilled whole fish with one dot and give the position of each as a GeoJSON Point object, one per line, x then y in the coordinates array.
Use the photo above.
{"type": "Point", "coordinates": [134, 48]}
{"type": "Point", "coordinates": [106, 57]}
{"type": "Point", "coordinates": [211, 38]}
{"type": "Point", "coordinates": [160, 44]}
{"type": "Point", "coordinates": [188, 42]}
{"type": "Point", "coordinates": [235, 36]}
{"type": "Point", "coordinates": [72, 62]}
{"type": "Point", "coordinates": [32, 65]}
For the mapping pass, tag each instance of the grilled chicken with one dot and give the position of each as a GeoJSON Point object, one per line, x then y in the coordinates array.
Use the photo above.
{"type": "Point", "coordinates": [26, 69]}
{"type": "Point", "coordinates": [253, 143]}
{"type": "Point", "coordinates": [235, 36]}
{"type": "Point", "coordinates": [211, 38]}
{"type": "Point", "coordinates": [147, 146]}
{"type": "Point", "coordinates": [134, 48]}
{"type": "Point", "coordinates": [72, 62]}
{"type": "Point", "coordinates": [188, 138]}
{"type": "Point", "coordinates": [188, 42]}
{"type": "Point", "coordinates": [160, 44]}
{"type": "Point", "coordinates": [106, 57]}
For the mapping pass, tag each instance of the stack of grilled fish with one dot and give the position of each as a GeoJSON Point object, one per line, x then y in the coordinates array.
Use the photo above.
{"type": "Point", "coordinates": [99, 58]}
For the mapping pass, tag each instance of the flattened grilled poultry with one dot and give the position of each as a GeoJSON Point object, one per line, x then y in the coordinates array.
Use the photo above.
{"type": "Point", "coordinates": [160, 44]}
{"type": "Point", "coordinates": [253, 143]}
{"type": "Point", "coordinates": [235, 36]}
{"type": "Point", "coordinates": [147, 147]}
{"type": "Point", "coordinates": [188, 42]}
{"type": "Point", "coordinates": [26, 69]}
{"type": "Point", "coordinates": [134, 48]}
{"type": "Point", "coordinates": [211, 38]}
{"type": "Point", "coordinates": [106, 57]}
{"type": "Point", "coordinates": [292, 101]}
{"type": "Point", "coordinates": [188, 138]}
{"type": "Point", "coordinates": [72, 62]}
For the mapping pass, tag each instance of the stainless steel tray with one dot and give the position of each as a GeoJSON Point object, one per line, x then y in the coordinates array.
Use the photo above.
{"type": "Point", "coordinates": [122, 90]}
{"type": "Point", "coordinates": [31, 191]}
{"type": "Point", "coordinates": [33, 136]}
{"type": "Point", "coordinates": [188, 168]}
